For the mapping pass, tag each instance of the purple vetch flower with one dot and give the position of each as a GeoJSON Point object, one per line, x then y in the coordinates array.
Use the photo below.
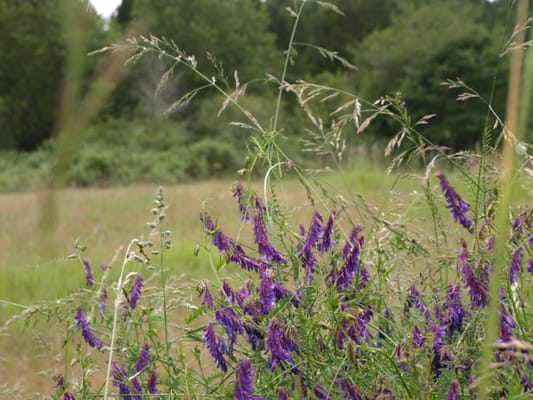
{"type": "Point", "coordinates": [267, 251]}
{"type": "Point", "coordinates": [104, 267]}
{"type": "Point", "coordinates": [359, 331]}
{"type": "Point", "coordinates": [207, 221]}
{"type": "Point", "coordinates": [138, 388]}
{"type": "Point", "coordinates": [439, 355]}
{"type": "Point", "coordinates": [244, 381]}
{"type": "Point", "coordinates": [490, 243]}
{"type": "Point", "coordinates": [203, 290]}
{"type": "Point", "coordinates": [68, 396]}
{"type": "Point", "coordinates": [216, 347]}
{"type": "Point", "coordinates": [507, 325]}
{"type": "Point", "coordinates": [400, 361]}
{"type": "Point", "coordinates": [238, 192]}
{"type": "Point", "coordinates": [281, 292]}
{"type": "Point", "coordinates": [327, 241]}
{"type": "Point", "coordinates": [229, 320]}
{"type": "Point", "coordinates": [228, 292]}
{"type": "Point", "coordinates": [89, 337]}
{"type": "Point", "coordinates": [477, 288]}
{"type": "Point", "coordinates": [88, 273]}
{"type": "Point", "coordinates": [309, 260]}
{"type": "Point", "coordinates": [456, 312]}
{"type": "Point", "coordinates": [283, 394]}
{"type": "Point", "coordinates": [414, 299]}
{"type": "Point", "coordinates": [279, 346]}
{"type": "Point", "coordinates": [515, 268]}
{"type": "Point", "coordinates": [266, 291]}
{"type": "Point", "coordinates": [321, 392]}
{"type": "Point", "coordinates": [60, 382]}
{"type": "Point", "coordinates": [144, 359]}
{"type": "Point", "coordinates": [120, 379]}
{"type": "Point", "coordinates": [453, 393]}
{"type": "Point", "coordinates": [350, 392]}
{"type": "Point", "coordinates": [457, 205]}
{"type": "Point", "coordinates": [152, 383]}
{"type": "Point", "coordinates": [244, 261]}
{"type": "Point", "coordinates": [348, 272]}
{"type": "Point", "coordinates": [530, 266]}
{"type": "Point", "coordinates": [136, 291]}
{"type": "Point", "coordinates": [418, 338]}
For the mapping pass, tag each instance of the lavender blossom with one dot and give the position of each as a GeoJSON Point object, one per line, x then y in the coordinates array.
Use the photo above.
{"type": "Point", "coordinates": [203, 290]}
{"type": "Point", "coordinates": [267, 251]}
{"type": "Point", "coordinates": [215, 346]}
{"type": "Point", "coordinates": [477, 288]}
{"type": "Point", "coordinates": [279, 346]}
{"type": "Point", "coordinates": [120, 379]}
{"type": "Point", "coordinates": [309, 260]}
{"type": "Point", "coordinates": [86, 332]}
{"type": "Point", "coordinates": [238, 192]}
{"type": "Point", "coordinates": [515, 268]}
{"type": "Point", "coordinates": [457, 205]}
{"type": "Point", "coordinates": [144, 359]}
{"type": "Point", "coordinates": [456, 312]}
{"type": "Point", "coordinates": [89, 273]}
{"type": "Point", "coordinates": [453, 393]}
{"type": "Point", "coordinates": [152, 383]}
{"type": "Point", "coordinates": [266, 291]}
{"type": "Point", "coordinates": [229, 320]}
{"type": "Point", "coordinates": [244, 381]}
{"type": "Point", "coordinates": [327, 241]}
{"type": "Point", "coordinates": [136, 291]}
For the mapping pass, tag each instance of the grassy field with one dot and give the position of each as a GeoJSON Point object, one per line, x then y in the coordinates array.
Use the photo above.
{"type": "Point", "coordinates": [34, 265]}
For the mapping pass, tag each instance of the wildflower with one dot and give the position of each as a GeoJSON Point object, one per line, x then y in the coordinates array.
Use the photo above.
{"type": "Point", "coordinates": [60, 382]}
{"type": "Point", "coordinates": [327, 242]}
{"type": "Point", "coordinates": [138, 388]}
{"type": "Point", "coordinates": [530, 266]}
{"type": "Point", "coordinates": [267, 251]}
{"type": "Point", "coordinates": [104, 267]}
{"type": "Point", "coordinates": [399, 357]}
{"type": "Point", "coordinates": [215, 346]}
{"type": "Point", "coordinates": [227, 292]}
{"type": "Point", "coordinates": [244, 261]}
{"type": "Point", "coordinates": [244, 383]}
{"type": "Point", "coordinates": [238, 192]}
{"type": "Point", "coordinates": [144, 359]}
{"type": "Point", "coordinates": [68, 396]}
{"type": "Point", "coordinates": [453, 393]}
{"type": "Point", "coordinates": [414, 299]}
{"type": "Point", "coordinates": [279, 346]}
{"type": "Point", "coordinates": [309, 261]}
{"type": "Point", "coordinates": [86, 332]}
{"type": "Point", "coordinates": [477, 288]}
{"type": "Point", "coordinates": [207, 221]}
{"type": "Point", "coordinates": [229, 320]}
{"type": "Point", "coordinates": [507, 325]}
{"type": "Point", "coordinates": [266, 291]}
{"type": "Point", "coordinates": [321, 392]}
{"type": "Point", "coordinates": [350, 392]}
{"type": "Point", "coordinates": [152, 382]}
{"type": "Point", "coordinates": [283, 394]}
{"type": "Point", "coordinates": [456, 312]}
{"type": "Point", "coordinates": [89, 273]}
{"type": "Point", "coordinates": [136, 291]}
{"type": "Point", "coordinates": [203, 289]}
{"type": "Point", "coordinates": [457, 205]}
{"type": "Point", "coordinates": [120, 378]}
{"type": "Point", "coordinates": [438, 347]}
{"type": "Point", "coordinates": [514, 269]}
{"type": "Point", "coordinates": [351, 252]}
{"type": "Point", "coordinates": [418, 338]}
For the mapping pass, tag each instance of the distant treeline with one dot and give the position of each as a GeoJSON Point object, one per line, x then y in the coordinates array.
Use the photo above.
{"type": "Point", "coordinates": [398, 46]}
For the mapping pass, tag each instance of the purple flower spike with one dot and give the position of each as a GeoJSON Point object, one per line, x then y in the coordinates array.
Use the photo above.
{"type": "Point", "coordinates": [203, 290]}
{"type": "Point", "coordinates": [418, 338]}
{"type": "Point", "coordinates": [103, 301]}
{"type": "Point", "coordinates": [89, 273]}
{"type": "Point", "coordinates": [136, 291]}
{"type": "Point", "coordinates": [515, 268]}
{"type": "Point", "coordinates": [60, 382]}
{"type": "Point", "coordinates": [321, 392]}
{"type": "Point", "coordinates": [207, 221]}
{"type": "Point", "coordinates": [352, 249]}
{"type": "Point", "coordinates": [229, 320]}
{"type": "Point", "coordinates": [120, 379]}
{"type": "Point", "coordinates": [144, 359]}
{"type": "Point", "coordinates": [309, 261]}
{"type": "Point", "coordinates": [238, 192]}
{"type": "Point", "coordinates": [507, 325]}
{"type": "Point", "coordinates": [456, 312]}
{"type": "Point", "coordinates": [457, 205]}
{"type": "Point", "coordinates": [244, 383]}
{"type": "Point", "coordinates": [453, 393]}
{"type": "Point", "coordinates": [327, 241]}
{"type": "Point", "coordinates": [215, 346]}
{"type": "Point", "coordinates": [350, 392]}
{"type": "Point", "coordinates": [266, 291]}
{"type": "Point", "coordinates": [152, 383]}
{"type": "Point", "coordinates": [267, 251]}
{"type": "Point", "coordinates": [477, 288]}
{"type": "Point", "coordinates": [530, 266]}
{"type": "Point", "coordinates": [86, 332]}
{"type": "Point", "coordinates": [414, 299]}
{"type": "Point", "coordinates": [68, 396]}
{"type": "Point", "coordinates": [279, 346]}
{"type": "Point", "coordinates": [399, 357]}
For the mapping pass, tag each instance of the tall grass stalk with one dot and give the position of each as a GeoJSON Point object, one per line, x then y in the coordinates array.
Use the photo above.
{"type": "Point", "coordinates": [518, 106]}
